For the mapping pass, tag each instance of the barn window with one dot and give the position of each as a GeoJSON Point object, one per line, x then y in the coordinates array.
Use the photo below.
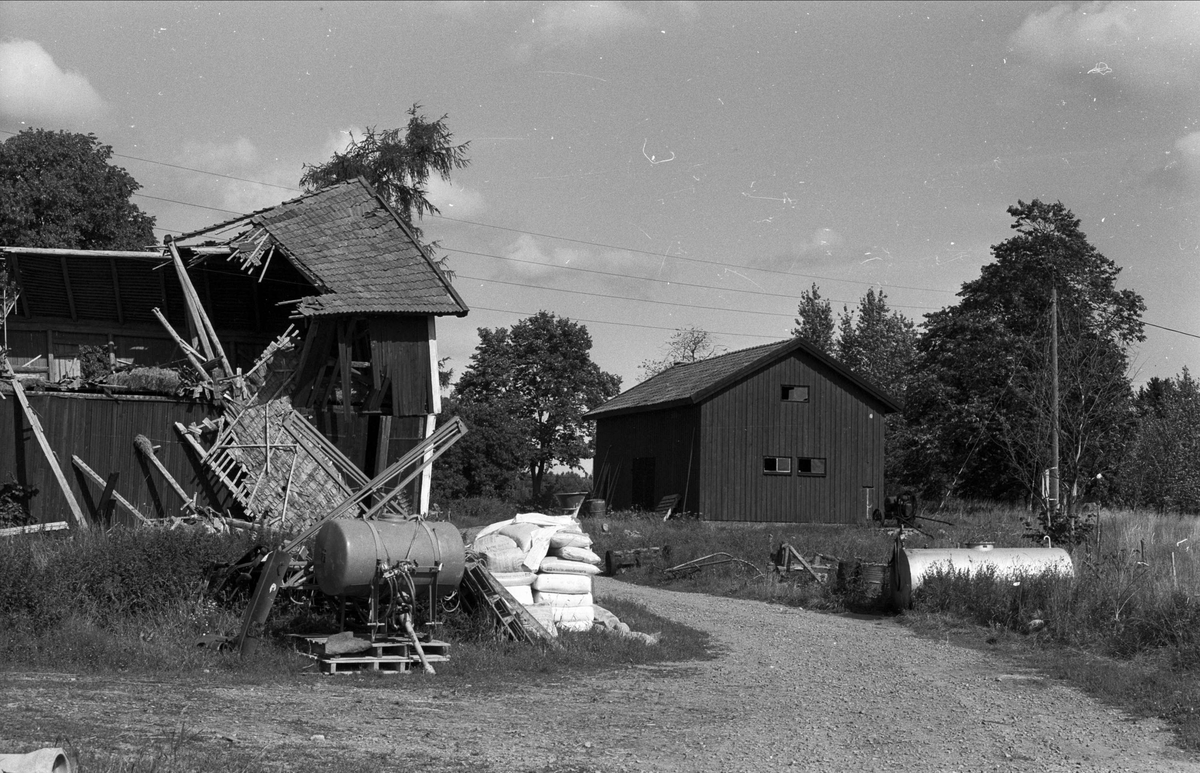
{"type": "Point", "coordinates": [795, 394]}
{"type": "Point", "coordinates": [777, 465]}
{"type": "Point", "coordinates": [807, 465]}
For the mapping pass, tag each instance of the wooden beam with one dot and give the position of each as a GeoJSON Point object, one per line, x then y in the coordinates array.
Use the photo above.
{"type": "Point", "coordinates": [344, 356]}
{"type": "Point", "coordinates": [192, 355]}
{"type": "Point", "coordinates": [16, 274]}
{"type": "Point", "coordinates": [112, 262]}
{"type": "Point", "coordinates": [191, 303]}
{"type": "Point", "coordinates": [106, 497]}
{"type": "Point", "coordinates": [51, 459]}
{"type": "Point", "coordinates": [34, 528]}
{"type": "Point", "coordinates": [95, 476]}
{"type": "Point", "coordinates": [67, 283]}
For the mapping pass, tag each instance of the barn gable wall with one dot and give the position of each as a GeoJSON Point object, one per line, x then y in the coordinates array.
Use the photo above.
{"type": "Point", "coordinates": [748, 421]}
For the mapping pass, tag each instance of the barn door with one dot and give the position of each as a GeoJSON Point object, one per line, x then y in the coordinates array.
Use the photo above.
{"type": "Point", "coordinates": [642, 473]}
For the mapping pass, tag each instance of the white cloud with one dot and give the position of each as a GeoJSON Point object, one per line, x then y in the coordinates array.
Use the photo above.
{"type": "Point", "coordinates": [1188, 150]}
{"type": "Point", "coordinates": [570, 21]}
{"type": "Point", "coordinates": [33, 88]}
{"type": "Point", "coordinates": [454, 200]}
{"type": "Point", "coordinates": [1154, 46]}
{"type": "Point", "coordinates": [823, 240]}
{"type": "Point", "coordinates": [238, 157]}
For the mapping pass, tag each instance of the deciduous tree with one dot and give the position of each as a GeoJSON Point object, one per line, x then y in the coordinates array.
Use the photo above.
{"type": "Point", "coordinates": [59, 189]}
{"type": "Point", "coordinates": [687, 344]}
{"type": "Point", "coordinates": [537, 380]}
{"type": "Point", "coordinates": [980, 399]}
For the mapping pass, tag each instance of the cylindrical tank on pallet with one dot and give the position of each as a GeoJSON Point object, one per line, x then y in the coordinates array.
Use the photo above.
{"type": "Point", "coordinates": [910, 567]}
{"type": "Point", "coordinates": [347, 551]}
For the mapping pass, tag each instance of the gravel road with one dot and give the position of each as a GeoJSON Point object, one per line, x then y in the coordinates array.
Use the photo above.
{"type": "Point", "coordinates": [789, 690]}
{"type": "Point", "coordinates": [813, 691]}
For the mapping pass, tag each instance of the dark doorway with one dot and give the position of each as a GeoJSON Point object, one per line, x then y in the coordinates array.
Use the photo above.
{"type": "Point", "coordinates": [643, 483]}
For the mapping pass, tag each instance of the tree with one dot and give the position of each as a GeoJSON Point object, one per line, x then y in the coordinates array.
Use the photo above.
{"type": "Point", "coordinates": [981, 397]}
{"type": "Point", "coordinates": [537, 380]}
{"type": "Point", "coordinates": [1162, 470]}
{"type": "Point", "coordinates": [877, 343]}
{"type": "Point", "coordinates": [815, 321]}
{"type": "Point", "coordinates": [396, 162]}
{"type": "Point", "coordinates": [687, 344]}
{"type": "Point", "coordinates": [58, 189]}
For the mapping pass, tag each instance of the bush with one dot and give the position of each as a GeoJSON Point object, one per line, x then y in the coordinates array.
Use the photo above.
{"type": "Point", "coordinates": [14, 504]}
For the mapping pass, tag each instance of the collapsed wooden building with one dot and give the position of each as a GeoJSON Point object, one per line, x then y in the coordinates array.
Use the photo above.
{"type": "Point", "coordinates": [780, 432]}
{"type": "Point", "coordinates": [311, 323]}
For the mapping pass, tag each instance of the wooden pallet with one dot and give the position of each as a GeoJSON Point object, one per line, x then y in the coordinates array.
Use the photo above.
{"type": "Point", "coordinates": [394, 655]}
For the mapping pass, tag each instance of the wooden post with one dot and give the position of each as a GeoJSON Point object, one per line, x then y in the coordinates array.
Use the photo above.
{"type": "Point", "coordinates": [122, 501]}
{"type": "Point", "coordinates": [212, 344]}
{"type": "Point", "coordinates": [51, 459]}
{"type": "Point", "coordinates": [192, 354]}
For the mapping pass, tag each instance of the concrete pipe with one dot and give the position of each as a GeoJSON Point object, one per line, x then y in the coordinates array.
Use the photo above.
{"type": "Point", "coordinates": [53, 760]}
{"type": "Point", "coordinates": [910, 567]}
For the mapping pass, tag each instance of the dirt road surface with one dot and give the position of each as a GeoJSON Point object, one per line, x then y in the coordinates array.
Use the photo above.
{"type": "Point", "coordinates": [789, 690]}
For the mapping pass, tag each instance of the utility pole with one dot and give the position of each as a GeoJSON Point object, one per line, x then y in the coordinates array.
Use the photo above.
{"type": "Point", "coordinates": [1053, 496]}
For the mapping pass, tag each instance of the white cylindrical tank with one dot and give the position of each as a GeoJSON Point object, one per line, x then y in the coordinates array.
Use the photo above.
{"type": "Point", "coordinates": [909, 567]}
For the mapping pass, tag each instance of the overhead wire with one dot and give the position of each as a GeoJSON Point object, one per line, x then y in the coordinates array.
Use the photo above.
{"type": "Point", "coordinates": [569, 240]}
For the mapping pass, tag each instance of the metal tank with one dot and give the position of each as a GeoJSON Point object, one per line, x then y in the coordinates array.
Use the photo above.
{"type": "Point", "coordinates": [347, 551]}
{"type": "Point", "coordinates": [909, 567]}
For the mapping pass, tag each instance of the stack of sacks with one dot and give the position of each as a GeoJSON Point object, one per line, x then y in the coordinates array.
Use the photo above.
{"type": "Point", "coordinates": [564, 582]}
{"type": "Point", "coordinates": [546, 563]}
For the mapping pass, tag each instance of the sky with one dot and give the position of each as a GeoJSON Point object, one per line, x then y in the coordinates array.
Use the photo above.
{"type": "Point", "coordinates": [641, 168]}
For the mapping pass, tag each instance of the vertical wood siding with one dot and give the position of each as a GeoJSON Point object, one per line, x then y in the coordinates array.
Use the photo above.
{"type": "Point", "coordinates": [671, 437]}
{"type": "Point", "coordinates": [100, 431]}
{"type": "Point", "coordinates": [749, 421]}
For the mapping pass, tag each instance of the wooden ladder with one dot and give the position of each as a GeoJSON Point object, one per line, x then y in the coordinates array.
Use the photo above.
{"type": "Point", "coordinates": [515, 620]}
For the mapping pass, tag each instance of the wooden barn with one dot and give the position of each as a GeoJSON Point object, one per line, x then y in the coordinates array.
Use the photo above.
{"type": "Point", "coordinates": [338, 264]}
{"type": "Point", "coordinates": [774, 433]}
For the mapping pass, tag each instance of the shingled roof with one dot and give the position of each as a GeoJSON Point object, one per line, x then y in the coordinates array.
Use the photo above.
{"type": "Point", "coordinates": [694, 382]}
{"type": "Point", "coordinates": [352, 246]}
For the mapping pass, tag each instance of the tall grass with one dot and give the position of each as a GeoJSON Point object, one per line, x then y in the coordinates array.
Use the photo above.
{"type": "Point", "coordinates": [136, 601]}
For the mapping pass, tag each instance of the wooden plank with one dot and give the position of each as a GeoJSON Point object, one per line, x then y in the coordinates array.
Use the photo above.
{"type": "Point", "coordinates": [95, 476]}
{"type": "Point", "coordinates": [51, 459]}
{"type": "Point", "coordinates": [344, 358]}
{"type": "Point", "coordinates": [101, 513]}
{"type": "Point", "coordinates": [192, 355]}
{"type": "Point", "coordinates": [35, 528]}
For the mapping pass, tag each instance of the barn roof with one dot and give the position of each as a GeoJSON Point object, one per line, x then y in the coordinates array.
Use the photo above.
{"type": "Point", "coordinates": [694, 382]}
{"type": "Point", "coordinates": [350, 244]}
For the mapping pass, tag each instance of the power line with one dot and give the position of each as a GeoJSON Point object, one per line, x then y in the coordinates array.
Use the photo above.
{"type": "Point", "coordinates": [672, 282]}
{"type": "Point", "coordinates": [625, 298]}
{"type": "Point", "coordinates": [631, 324]}
{"type": "Point", "coordinates": [1171, 329]}
{"type": "Point", "coordinates": [187, 204]}
{"type": "Point", "coordinates": [573, 268]}
{"type": "Point", "coordinates": [680, 257]}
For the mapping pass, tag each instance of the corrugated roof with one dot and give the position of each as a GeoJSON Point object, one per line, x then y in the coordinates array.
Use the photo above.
{"type": "Point", "coordinates": [357, 250]}
{"type": "Point", "coordinates": [690, 383]}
